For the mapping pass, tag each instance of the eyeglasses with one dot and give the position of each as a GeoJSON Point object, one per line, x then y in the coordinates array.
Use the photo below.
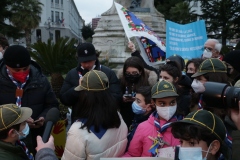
{"type": "Point", "coordinates": [208, 49]}
{"type": "Point", "coordinates": [131, 73]}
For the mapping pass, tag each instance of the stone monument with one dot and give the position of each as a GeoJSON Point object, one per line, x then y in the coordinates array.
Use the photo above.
{"type": "Point", "coordinates": [110, 38]}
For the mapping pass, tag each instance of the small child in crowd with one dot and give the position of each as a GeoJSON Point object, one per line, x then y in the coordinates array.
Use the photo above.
{"type": "Point", "coordinates": [142, 108]}
{"type": "Point", "coordinates": [155, 134]}
{"type": "Point", "coordinates": [201, 135]}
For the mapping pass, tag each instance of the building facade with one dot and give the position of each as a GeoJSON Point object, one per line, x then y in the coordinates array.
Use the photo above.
{"type": "Point", "coordinates": [95, 22]}
{"type": "Point", "coordinates": [59, 18]}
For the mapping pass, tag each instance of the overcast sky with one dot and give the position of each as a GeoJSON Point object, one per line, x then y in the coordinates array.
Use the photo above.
{"type": "Point", "coordinates": [89, 9]}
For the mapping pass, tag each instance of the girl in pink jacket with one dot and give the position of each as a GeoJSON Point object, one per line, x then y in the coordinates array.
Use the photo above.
{"type": "Point", "coordinates": [153, 137]}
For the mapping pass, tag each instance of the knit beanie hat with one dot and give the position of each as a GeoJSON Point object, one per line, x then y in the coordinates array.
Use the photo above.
{"type": "Point", "coordinates": [16, 56]}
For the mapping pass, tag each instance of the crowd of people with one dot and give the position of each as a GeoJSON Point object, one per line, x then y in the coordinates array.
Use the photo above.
{"type": "Point", "coordinates": [140, 111]}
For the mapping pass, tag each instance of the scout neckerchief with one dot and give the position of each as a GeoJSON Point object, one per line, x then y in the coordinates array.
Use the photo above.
{"type": "Point", "coordinates": [24, 147]}
{"type": "Point", "coordinates": [228, 140]}
{"type": "Point", "coordinates": [99, 134]}
{"type": "Point", "coordinates": [19, 90]}
{"type": "Point", "coordinates": [158, 142]}
{"type": "Point", "coordinates": [200, 102]}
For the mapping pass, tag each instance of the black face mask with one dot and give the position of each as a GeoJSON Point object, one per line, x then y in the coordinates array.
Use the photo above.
{"type": "Point", "coordinates": [132, 78]}
{"type": "Point", "coordinates": [190, 75]}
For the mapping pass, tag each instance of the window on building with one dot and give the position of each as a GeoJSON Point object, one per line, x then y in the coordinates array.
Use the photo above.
{"type": "Point", "coordinates": [61, 15]}
{"type": "Point", "coordinates": [61, 2]}
{"type": "Point", "coordinates": [57, 16]}
{"type": "Point", "coordinates": [39, 35]}
{"type": "Point", "coordinates": [52, 16]}
{"type": "Point", "coordinates": [57, 35]}
{"type": "Point", "coordinates": [51, 1]}
{"type": "Point", "coordinates": [57, 1]}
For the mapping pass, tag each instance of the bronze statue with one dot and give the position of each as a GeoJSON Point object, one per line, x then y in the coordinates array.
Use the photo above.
{"type": "Point", "coordinates": [135, 3]}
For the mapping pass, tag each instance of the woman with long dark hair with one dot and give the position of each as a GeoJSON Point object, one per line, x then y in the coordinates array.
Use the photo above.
{"type": "Point", "coordinates": [132, 76]}
{"type": "Point", "coordinates": [171, 72]}
{"type": "Point", "coordinates": [99, 130]}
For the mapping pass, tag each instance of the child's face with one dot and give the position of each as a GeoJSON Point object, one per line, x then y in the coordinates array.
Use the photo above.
{"type": "Point", "coordinates": [165, 102]}
{"type": "Point", "coordinates": [165, 76]}
{"type": "Point", "coordinates": [195, 143]}
{"type": "Point", "coordinates": [140, 100]}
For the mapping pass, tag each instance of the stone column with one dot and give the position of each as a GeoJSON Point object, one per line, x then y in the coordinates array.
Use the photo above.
{"type": "Point", "coordinates": [110, 37]}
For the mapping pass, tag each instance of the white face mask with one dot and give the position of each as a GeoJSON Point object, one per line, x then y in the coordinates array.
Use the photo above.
{"type": "Point", "coordinates": [190, 153]}
{"type": "Point", "coordinates": [207, 54]}
{"type": "Point", "coordinates": [166, 112]}
{"type": "Point", "coordinates": [197, 86]}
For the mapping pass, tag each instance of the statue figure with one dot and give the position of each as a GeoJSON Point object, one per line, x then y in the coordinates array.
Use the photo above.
{"type": "Point", "coordinates": [135, 3]}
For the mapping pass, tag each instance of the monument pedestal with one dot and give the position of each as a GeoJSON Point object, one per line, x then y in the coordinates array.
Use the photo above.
{"type": "Point", "coordinates": [110, 37]}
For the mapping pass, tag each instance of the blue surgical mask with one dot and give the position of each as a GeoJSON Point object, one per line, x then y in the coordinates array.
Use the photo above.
{"type": "Point", "coordinates": [24, 132]}
{"type": "Point", "coordinates": [137, 109]}
{"type": "Point", "coordinates": [190, 153]}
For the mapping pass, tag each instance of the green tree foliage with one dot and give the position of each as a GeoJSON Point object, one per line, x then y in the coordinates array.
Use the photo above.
{"type": "Point", "coordinates": [164, 6]}
{"type": "Point", "coordinates": [5, 13]}
{"type": "Point", "coordinates": [225, 50]}
{"type": "Point", "coordinates": [222, 17]}
{"type": "Point", "coordinates": [26, 16]}
{"type": "Point", "coordinates": [181, 13]}
{"type": "Point", "coordinates": [56, 59]}
{"type": "Point", "coordinates": [87, 31]}
{"type": "Point", "coordinates": [52, 57]}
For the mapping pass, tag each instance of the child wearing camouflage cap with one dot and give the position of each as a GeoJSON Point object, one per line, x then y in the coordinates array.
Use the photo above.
{"type": "Point", "coordinates": [153, 137]}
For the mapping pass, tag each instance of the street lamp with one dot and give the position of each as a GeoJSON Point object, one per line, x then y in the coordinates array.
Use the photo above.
{"type": "Point", "coordinates": [49, 27]}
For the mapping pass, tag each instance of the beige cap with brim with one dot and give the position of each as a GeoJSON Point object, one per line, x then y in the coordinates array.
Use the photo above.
{"type": "Point", "coordinates": [93, 80]}
{"type": "Point", "coordinates": [10, 115]}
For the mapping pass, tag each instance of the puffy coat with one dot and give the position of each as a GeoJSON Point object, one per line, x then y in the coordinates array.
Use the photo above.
{"type": "Point", "coordinates": [82, 145]}
{"type": "Point", "coordinates": [37, 95]}
{"type": "Point", "coordinates": [140, 143]}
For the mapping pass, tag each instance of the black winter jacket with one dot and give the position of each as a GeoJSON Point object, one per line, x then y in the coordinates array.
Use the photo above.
{"type": "Point", "coordinates": [37, 95]}
{"type": "Point", "coordinates": [69, 96]}
{"type": "Point", "coordinates": [37, 92]}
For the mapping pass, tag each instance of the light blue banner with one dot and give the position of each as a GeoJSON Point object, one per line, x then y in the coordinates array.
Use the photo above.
{"type": "Point", "coordinates": [185, 40]}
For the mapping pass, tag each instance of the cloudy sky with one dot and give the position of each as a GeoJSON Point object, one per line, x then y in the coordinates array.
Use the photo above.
{"type": "Point", "coordinates": [89, 9]}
